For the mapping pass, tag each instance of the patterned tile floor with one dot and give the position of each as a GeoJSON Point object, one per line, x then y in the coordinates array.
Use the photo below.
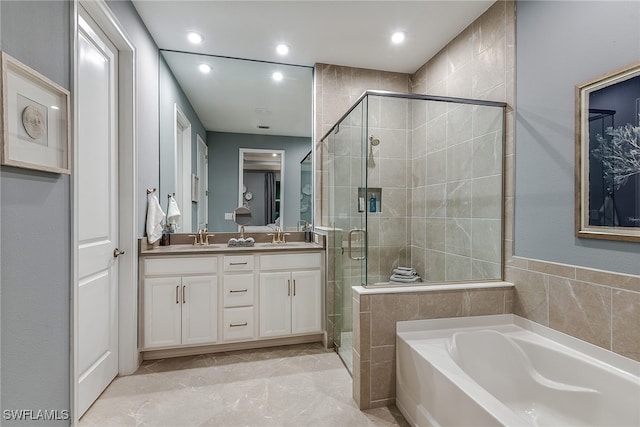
{"type": "Point", "coordinates": [300, 385]}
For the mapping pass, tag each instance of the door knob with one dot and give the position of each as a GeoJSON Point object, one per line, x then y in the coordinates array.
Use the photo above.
{"type": "Point", "coordinates": [117, 252]}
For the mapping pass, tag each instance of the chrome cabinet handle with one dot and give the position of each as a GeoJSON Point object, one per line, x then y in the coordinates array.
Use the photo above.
{"type": "Point", "coordinates": [178, 294]}
{"type": "Point", "coordinates": [235, 325]}
{"type": "Point", "coordinates": [294, 287]}
{"type": "Point", "coordinates": [117, 252]}
{"type": "Point", "coordinates": [238, 263]}
{"type": "Point", "coordinates": [351, 233]}
{"type": "Point", "coordinates": [232, 291]}
{"type": "Point", "coordinates": [184, 294]}
{"type": "Point", "coordinates": [289, 287]}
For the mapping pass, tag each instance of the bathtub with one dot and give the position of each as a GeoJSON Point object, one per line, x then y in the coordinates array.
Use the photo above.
{"type": "Point", "coordinates": [507, 371]}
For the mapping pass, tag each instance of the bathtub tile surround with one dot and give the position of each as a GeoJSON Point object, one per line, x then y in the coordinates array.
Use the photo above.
{"type": "Point", "coordinates": [293, 385]}
{"type": "Point", "coordinates": [596, 306]}
{"type": "Point", "coordinates": [375, 327]}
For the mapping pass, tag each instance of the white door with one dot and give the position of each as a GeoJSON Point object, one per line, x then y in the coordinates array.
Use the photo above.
{"type": "Point", "coordinates": [203, 184]}
{"type": "Point", "coordinates": [275, 304]}
{"type": "Point", "coordinates": [183, 169]}
{"type": "Point", "coordinates": [97, 203]}
{"type": "Point", "coordinates": [305, 306]}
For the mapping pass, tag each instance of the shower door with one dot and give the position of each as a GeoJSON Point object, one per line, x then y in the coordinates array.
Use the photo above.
{"type": "Point", "coordinates": [346, 215]}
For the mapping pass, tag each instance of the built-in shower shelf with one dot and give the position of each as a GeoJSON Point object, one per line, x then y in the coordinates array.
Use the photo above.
{"type": "Point", "coordinates": [364, 199]}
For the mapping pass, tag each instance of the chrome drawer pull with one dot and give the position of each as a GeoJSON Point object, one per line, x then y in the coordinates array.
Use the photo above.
{"type": "Point", "coordinates": [237, 290]}
{"type": "Point", "coordinates": [177, 294]}
{"type": "Point", "coordinates": [234, 325]}
{"type": "Point", "coordinates": [238, 263]}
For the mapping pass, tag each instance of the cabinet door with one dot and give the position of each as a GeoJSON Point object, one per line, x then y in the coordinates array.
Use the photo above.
{"type": "Point", "coordinates": [199, 309]}
{"type": "Point", "coordinates": [306, 302]}
{"type": "Point", "coordinates": [162, 308]}
{"type": "Point", "coordinates": [275, 304]}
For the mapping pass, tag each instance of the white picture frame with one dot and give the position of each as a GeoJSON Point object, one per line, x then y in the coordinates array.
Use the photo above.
{"type": "Point", "coordinates": [35, 119]}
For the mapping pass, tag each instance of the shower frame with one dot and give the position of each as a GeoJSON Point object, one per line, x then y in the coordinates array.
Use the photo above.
{"type": "Point", "coordinates": [364, 138]}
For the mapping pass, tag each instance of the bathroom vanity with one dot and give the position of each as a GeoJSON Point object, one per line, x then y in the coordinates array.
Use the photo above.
{"type": "Point", "coordinates": [208, 298]}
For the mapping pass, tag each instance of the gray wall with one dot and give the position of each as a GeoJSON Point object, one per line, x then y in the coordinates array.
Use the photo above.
{"type": "Point", "coordinates": [36, 229]}
{"type": "Point", "coordinates": [35, 211]}
{"type": "Point", "coordinates": [171, 93]}
{"type": "Point", "coordinates": [146, 103]}
{"type": "Point", "coordinates": [223, 173]}
{"type": "Point", "coordinates": [559, 45]}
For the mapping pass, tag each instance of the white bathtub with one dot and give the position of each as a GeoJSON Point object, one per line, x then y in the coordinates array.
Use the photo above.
{"type": "Point", "coordinates": [505, 370]}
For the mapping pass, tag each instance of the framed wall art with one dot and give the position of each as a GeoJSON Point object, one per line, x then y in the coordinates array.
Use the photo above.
{"type": "Point", "coordinates": [608, 156]}
{"type": "Point", "coordinates": [35, 119]}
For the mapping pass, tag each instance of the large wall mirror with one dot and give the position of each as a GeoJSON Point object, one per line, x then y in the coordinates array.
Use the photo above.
{"type": "Point", "coordinates": [218, 115]}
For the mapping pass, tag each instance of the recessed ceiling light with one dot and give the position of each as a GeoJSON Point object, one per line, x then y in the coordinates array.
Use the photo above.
{"type": "Point", "coordinates": [277, 76]}
{"type": "Point", "coordinates": [195, 38]}
{"type": "Point", "coordinates": [397, 37]}
{"type": "Point", "coordinates": [282, 49]}
{"type": "Point", "coordinates": [204, 68]}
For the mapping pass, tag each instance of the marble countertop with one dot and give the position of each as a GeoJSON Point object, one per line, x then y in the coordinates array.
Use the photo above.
{"type": "Point", "coordinates": [220, 248]}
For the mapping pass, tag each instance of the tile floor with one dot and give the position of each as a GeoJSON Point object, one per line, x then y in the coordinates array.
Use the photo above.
{"type": "Point", "coordinates": [300, 385]}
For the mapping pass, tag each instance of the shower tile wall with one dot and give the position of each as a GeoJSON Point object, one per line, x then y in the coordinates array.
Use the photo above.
{"type": "Point", "coordinates": [336, 89]}
{"type": "Point", "coordinates": [456, 162]}
{"type": "Point", "coordinates": [389, 168]}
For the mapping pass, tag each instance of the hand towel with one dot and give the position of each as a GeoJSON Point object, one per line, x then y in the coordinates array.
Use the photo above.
{"type": "Point", "coordinates": [155, 215]}
{"type": "Point", "coordinates": [173, 213]}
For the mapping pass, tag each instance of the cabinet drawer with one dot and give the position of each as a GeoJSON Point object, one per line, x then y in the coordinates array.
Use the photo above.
{"type": "Point", "coordinates": [238, 323]}
{"type": "Point", "coordinates": [238, 263]}
{"type": "Point", "coordinates": [290, 261]}
{"type": "Point", "coordinates": [180, 266]}
{"type": "Point", "coordinates": [238, 290]}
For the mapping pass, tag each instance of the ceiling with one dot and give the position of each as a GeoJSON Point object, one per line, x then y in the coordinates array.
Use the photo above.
{"type": "Point", "coordinates": [350, 33]}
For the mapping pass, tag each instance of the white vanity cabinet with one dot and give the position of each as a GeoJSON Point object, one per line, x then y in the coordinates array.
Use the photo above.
{"type": "Point", "coordinates": [180, 301]}
{"type": "Point", "coordinates": [290, 294]}
{"type": "Point", "coordinates": [239, 298]}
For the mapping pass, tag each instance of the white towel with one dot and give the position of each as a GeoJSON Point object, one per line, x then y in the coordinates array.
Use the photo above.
{"type": "Point", "coordinates": [155, 215]}
{"type": "Point", "coordinates": [173, 213]}
{"type": "Point", "coordinates": [407, 273]}
{"type": "Point", "coordinates": [404, 279]}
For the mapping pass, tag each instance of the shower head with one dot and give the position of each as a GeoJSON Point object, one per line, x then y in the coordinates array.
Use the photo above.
{"type": "Point", "coordinates": [374, 141]}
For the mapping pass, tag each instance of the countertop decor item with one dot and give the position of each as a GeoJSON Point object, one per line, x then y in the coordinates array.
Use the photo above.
{"type": "Point", "coordinates": [35, 114]}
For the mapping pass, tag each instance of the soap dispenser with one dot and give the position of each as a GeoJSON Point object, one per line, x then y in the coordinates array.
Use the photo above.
{"type": "Point", "coordinates": [372, 203]}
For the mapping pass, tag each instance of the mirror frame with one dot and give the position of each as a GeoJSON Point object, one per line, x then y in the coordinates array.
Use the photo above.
{"type": "Point", "coordinates": [241, 154]}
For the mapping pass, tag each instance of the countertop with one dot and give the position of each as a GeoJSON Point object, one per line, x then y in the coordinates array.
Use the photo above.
{"type": "Point", "coordinates": [221, 248]}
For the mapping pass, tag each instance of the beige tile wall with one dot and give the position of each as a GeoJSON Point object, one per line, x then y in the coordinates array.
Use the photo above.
{"type": "Point", "coordinates": [599, 307]}
{"type": "Point", "coordinates": [336, 89]}
{"type": "Point", "coordinates": [374, 331]}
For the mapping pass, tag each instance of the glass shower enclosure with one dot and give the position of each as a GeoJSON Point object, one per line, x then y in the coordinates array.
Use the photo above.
{"type": "Point", "coordinates": [410, 182]}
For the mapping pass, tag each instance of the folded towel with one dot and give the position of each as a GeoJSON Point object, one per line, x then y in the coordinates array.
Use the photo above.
{"type": "Point", "coordinates": [406, 268]}
{"type": "Point", "coordinates": [407, 273]}
{"type": "Point", "coordinates": [404, 279]}
{"type": "Point", "coordinates": [155, 215]}
{"type": "Point", "coordinates": [173, 213]}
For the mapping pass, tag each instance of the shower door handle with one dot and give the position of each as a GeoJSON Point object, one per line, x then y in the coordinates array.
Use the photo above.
{"type": "Point", "coordinates": [351, 233]}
